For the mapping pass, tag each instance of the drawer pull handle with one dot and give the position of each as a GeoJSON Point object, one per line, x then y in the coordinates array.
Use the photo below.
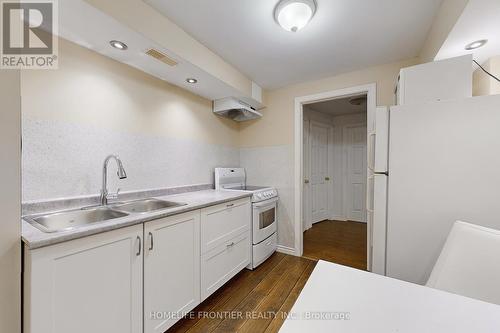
{"type": "Point", "coordinates": [151, 242]}
{"type": "Point", "coordinates": [230, 205]}
{"type": "Point", "coordinates": [230, 245]}
{"type": "Point", "coordinates": [140, 246]}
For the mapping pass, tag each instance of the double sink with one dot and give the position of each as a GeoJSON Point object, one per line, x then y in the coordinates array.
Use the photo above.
{"type": "Point", "coordinates": [71, 219]}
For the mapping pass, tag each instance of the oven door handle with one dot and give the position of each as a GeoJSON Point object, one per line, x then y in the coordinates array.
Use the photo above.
{"type": "Point", "coordinates": [265, 203]}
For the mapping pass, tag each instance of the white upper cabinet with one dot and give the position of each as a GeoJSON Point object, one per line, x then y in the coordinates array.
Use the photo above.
{"type": "Point", "coordinates": [435, 81]}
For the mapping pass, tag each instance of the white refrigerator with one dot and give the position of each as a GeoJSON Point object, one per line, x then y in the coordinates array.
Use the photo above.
{"type": "Point", "coordinates": [443, 166]}
{"type": "Point", "coordinates": [378, 145]}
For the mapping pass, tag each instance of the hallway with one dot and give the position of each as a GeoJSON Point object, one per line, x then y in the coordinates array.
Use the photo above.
{"type": "Point", "coordinates": [341, 242]}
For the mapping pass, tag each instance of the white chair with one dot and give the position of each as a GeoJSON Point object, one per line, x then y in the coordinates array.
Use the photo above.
{"type": "Point", "coordinates": [469, 264]}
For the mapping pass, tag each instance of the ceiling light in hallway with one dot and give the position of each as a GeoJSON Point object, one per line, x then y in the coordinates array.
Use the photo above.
{"type": "Point", "coordinates": [293, 15]}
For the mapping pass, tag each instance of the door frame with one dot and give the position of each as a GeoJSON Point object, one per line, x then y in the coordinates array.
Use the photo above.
{"type": "Point", "coordinates": [371, 91]}
{"type": "Point", "coordinates": [306, 217]}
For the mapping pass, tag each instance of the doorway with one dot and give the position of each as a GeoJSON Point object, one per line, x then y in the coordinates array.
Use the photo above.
{"type": "Point", "coordinates": [331, 175]}
{"type": "Point", "coordinates": [334, 164]}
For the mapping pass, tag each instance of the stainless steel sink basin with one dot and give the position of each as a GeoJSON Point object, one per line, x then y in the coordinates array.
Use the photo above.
{"type": "Point", "coordinates": [146, 205]}
{"type": "Point", "coordinates": [71, 219]}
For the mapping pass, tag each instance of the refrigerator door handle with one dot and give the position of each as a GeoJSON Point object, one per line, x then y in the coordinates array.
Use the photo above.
{"type": "Point", "coordinates": [371, 151]}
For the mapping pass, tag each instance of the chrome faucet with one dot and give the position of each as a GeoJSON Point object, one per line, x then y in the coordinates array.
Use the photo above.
{"type": "Point", "coordinates": [121, 175]}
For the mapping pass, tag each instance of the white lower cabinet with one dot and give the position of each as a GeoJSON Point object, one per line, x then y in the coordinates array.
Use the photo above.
{"type": "Point", "coordinates": [171, 270]}
{"type": "Point", "coordinates": [142, 278]}
{"type": "Point", "coordinates": [222, 263]}
{"type": "Point", "coordinates": [225, 242]}
{"type": "Point", "coordinates": [92, 284]}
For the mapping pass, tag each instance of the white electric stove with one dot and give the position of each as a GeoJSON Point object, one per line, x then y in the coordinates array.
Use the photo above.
{"type": "Point", "coordinates": [264, 211]}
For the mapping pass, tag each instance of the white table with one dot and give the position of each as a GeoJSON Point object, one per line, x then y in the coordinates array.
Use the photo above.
{"type": "Point", "coordinates": [375, 303]}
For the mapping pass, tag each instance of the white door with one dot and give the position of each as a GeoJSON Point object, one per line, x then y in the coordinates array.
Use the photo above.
{"type": "Point", "coordinates": [171, 270]}
{"type": "Point", "coordinates": [91, 284]}
{"type": "Point", "coordinates": [355, 190]}
{"type": "Point", "coordinates": [319, 171]}
{"type": "Point", "coordinates": [306, 218]}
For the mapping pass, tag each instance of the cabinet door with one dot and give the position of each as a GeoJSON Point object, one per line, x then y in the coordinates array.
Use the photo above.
{"type": "Point", "coordinates": [171, 270]}
{"type": "Point", "coordinates": [92, 284]}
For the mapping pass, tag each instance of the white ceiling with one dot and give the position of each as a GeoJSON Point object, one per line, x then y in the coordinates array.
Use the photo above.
{"type": "Point", "coordinates": [480, 20]}
{"type": "Point", "coordinates": [338, 107]}
{"type": "Point", "coordinates": [344, 35]}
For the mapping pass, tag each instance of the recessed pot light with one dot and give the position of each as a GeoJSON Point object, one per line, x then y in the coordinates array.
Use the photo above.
{"type": "Point", "coordinates": [293, 15]}
{"type": "Point", "coordinates": [477, 44]}
{"type": "Point", "coordinates": [191, 80]}
{"type": "Point", "coordinates": [118, 45]}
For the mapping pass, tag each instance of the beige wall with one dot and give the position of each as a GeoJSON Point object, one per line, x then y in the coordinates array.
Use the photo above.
{"type": "Point", "coordinates": [92, 106]}
{"type": "Point", "coordinates": [276, 127]}
{"type": "Point", "coordinates": [269, 140]}
{"type": "Point", "coordinates": [483, 84]}
{"type": "Point", "coordinates": [444, 21]}
{"type": "Point", "coordinates": [10, 200]}
{"type": "Point", "coordinates": [92, 89]}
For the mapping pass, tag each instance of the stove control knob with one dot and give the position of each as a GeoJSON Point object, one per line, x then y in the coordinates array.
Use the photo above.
{"type": "Point", "coordinates": [259, 196]}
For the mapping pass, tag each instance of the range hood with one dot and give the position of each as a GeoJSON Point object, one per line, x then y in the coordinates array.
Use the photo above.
{"type": "Point", "coordinates": [235, 109]}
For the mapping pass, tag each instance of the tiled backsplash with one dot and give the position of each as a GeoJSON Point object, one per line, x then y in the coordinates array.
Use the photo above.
{"type": "Point", "coordinates": [62, 159]}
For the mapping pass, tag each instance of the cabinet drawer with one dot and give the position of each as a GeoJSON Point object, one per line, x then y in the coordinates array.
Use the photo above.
{"type": "Point", "coordinates": [222, 263]}
{"type": "Point", "coordinates": [264, 250]}
{"type": "Point", "coordinates": [223, 222]}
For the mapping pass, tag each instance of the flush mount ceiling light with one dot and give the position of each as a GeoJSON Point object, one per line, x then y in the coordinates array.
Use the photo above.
{"type": "Point", "coordinates": [118, 45]}
{"type": "Point", "coordinates": [293, 15]}
{"type": "Point", "coordinates": [191, 80]}
{"type": "Point", "coordinates": [477, 44]}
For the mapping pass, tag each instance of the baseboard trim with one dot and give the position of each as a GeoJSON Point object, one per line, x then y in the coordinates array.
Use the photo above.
{"type": "Point", "coordinates": [286, 250]}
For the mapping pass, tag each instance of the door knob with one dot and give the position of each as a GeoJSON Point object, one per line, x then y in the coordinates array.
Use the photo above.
{"type": "Point", "coordinates": [327, 178]}
{"type": "Point", "coordinates": [306, 181]}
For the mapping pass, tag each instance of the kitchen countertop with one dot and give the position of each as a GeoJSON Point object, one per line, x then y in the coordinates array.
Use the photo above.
{"type": "Point", "coordinates": [35, 238]}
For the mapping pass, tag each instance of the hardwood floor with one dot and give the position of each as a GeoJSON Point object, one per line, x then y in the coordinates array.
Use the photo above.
{"type": "Point", "coordinates": [253, 301]}
{"type": "Point", "coordinates": [337, 241]}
